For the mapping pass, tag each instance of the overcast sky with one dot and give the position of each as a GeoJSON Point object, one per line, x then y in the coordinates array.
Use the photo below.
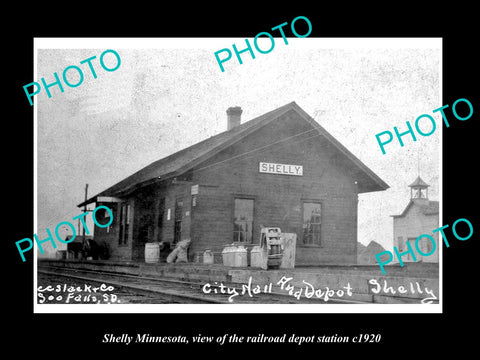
{"type": "Point", "coordinates": [168, 94]}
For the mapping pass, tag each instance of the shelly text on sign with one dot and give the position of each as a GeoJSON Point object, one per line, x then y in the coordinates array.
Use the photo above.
{"type": "Point", "coordinates": [282, 169]}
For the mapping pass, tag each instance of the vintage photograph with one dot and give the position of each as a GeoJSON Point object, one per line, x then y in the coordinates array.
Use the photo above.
{"type": "Point", "coordinates": [163, 184]}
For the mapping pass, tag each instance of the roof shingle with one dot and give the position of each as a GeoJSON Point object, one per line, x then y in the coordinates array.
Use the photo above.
{"type": "Point", "coordinates": [183, 160]}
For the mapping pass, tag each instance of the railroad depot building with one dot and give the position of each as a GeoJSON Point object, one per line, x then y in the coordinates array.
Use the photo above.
{"type": "Point", "coordinates": [281, 169]}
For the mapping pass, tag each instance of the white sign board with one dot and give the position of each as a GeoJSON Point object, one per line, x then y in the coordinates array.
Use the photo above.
{"type": "Point", "coordinates": [281, 169]}
{"type": "Point", "coordinates": [194, 190]}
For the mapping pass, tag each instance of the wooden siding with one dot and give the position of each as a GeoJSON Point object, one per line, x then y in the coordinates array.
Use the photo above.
{"type": "Point", "coordinates": [413, 224]}
{"type": "Point", "coordinates": [278, 198]}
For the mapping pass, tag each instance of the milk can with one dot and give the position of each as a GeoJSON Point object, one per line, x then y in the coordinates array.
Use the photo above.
{"type": "Point", "coordinates": [240, 256]}
{"type": "Point", "coordinates": [227, 255]}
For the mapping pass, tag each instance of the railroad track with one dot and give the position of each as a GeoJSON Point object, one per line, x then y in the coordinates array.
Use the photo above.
{"type": "Point", "coordinates": [178, 291]}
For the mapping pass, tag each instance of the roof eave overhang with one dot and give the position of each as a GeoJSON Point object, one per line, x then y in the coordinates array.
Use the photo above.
{"type": "Point", "coordinates": [123, 193]}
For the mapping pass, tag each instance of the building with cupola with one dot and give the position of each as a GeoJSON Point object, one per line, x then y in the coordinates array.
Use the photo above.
{"type": "Point", "coordinates": [420, 216]}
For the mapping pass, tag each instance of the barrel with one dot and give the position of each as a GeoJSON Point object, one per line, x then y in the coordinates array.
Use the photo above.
{"type": "Point", "coordinates": [152, 252]}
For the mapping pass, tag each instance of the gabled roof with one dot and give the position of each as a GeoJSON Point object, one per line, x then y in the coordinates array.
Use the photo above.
{"type": "Point", "coordinates": [427, 207]}
{"type": "Point", "coordinates": [186, 159]}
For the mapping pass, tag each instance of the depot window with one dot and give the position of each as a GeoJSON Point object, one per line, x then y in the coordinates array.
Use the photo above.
{"type": "Point", "coordinates": [243, 220]}
{"type": "Point", "coordinates": [425, 245]}
{"type": "Point", "coordinates": [312, 223]}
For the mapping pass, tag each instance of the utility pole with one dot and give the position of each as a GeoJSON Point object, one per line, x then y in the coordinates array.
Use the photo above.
{"type": "Point", "coordinates": [85, 243]}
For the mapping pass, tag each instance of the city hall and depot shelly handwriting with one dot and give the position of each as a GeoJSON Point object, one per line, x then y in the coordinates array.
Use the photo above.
{"type": "Point", "coordinates": [309, 291]}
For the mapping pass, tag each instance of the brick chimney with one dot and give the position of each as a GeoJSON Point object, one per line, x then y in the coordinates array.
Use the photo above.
{"type": "Point", "coordinates": [233, 117]}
